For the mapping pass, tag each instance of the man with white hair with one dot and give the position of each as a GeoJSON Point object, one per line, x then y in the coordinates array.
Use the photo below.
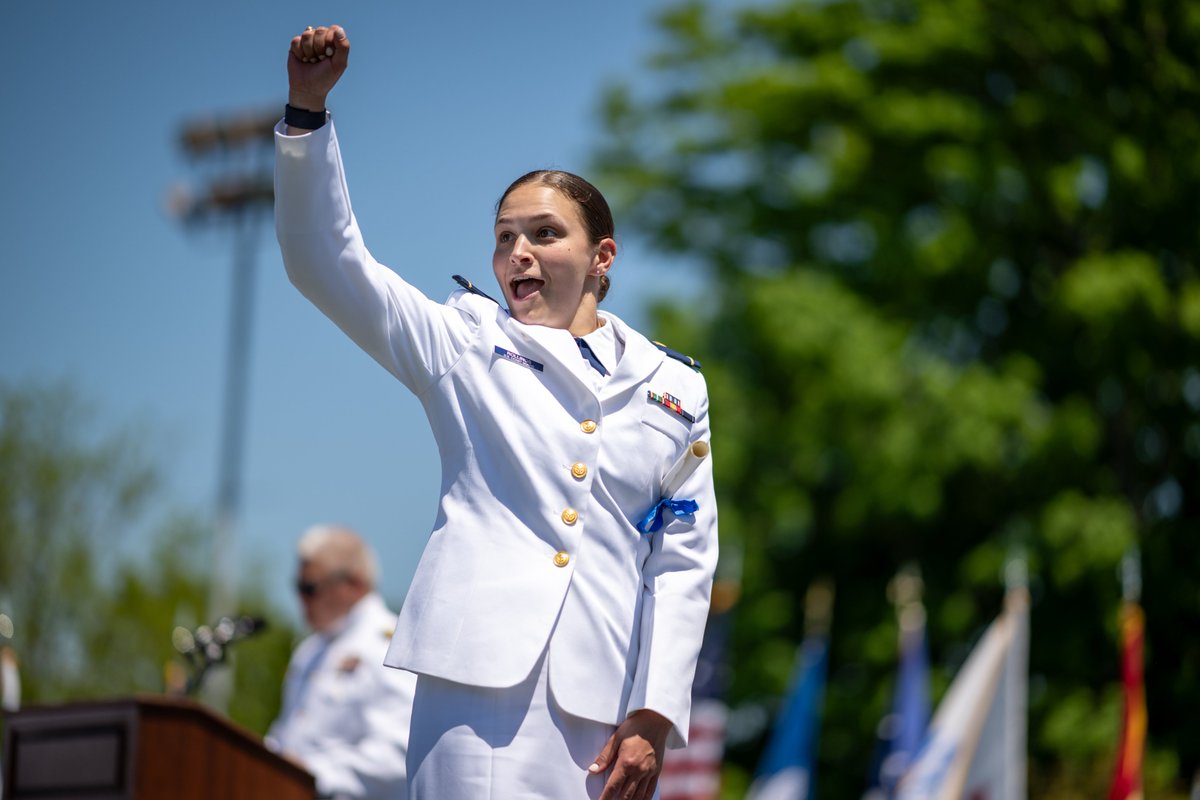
{"type": "Point", "coordinates": [345, 715]}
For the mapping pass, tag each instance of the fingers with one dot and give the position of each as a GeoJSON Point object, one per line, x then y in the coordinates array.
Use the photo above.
{"type": "Point", "coordinates": [626, 785]}
{"type": "Point", "coordinates": [318, 44]}
{"type": "Point", "coordinates": [323, 43]}
{"type": "Point", "coordinates": [341, 47]}
{"type": "Point", "coordinates": [602, 762]}
{"type": "Point", "coordinates": [317, 59]}
{"type": "Point", "coordinates": [635, 768]}
{"type": "Point", "coordinates": [612, 788]}
{"type": "Point", "coordinates": [606, 755]}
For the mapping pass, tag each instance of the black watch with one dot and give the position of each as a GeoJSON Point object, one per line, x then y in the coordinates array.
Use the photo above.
{"type": "Point", "coordinates": [299, 118]}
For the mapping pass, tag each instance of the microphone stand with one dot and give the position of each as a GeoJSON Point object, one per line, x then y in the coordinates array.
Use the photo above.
{"type": "Point", "coordinates": [207, 646]}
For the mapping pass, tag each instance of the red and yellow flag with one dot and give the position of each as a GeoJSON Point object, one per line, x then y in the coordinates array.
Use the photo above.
{"type": "Point", "coordinates": [1127, 782]}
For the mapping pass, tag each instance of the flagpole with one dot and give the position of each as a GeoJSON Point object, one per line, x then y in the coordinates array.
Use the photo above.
{"type": "Point", "coordinates": [818, 608]}
{"type": "Point", "coordinates": [1016, 677]}
{"type": "Point", "coordinates": [1131, 576]}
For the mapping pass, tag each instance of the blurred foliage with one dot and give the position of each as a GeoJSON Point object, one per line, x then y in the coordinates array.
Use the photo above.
{"type": "Point", "coordinates": [87, 623]}
{"type": "Point", "coordinates": [953, 313]}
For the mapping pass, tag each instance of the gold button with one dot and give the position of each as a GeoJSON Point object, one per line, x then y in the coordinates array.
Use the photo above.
{"type": "Point", "coordinates": [569, 516]}
{"type": "Point", "coordinates": [579, 470]}
{"type": "Point", "coordinates": [588, 426]}
{"type": "Point", "coordinates": [561, 558]}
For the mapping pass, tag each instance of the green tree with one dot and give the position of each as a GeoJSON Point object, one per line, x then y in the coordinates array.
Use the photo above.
{"type": "Point", "coordinates": [953, 312]}
{"type": "Point", "coordinates": [89, 623]}
{"type": "Point", "coordinates": [130, 643]}
{"type": "Point", "coordinates": [65, 496]}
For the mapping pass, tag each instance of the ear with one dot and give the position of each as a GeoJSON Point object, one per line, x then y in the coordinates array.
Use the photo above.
{"type": "Point", "coordinates": [606, 252]}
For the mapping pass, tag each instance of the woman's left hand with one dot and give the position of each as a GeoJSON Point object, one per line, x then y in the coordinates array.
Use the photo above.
{"type": "Point", "coordinates": [635, 754]}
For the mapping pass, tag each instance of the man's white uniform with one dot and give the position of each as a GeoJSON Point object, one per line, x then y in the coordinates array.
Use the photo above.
{"type": "Point", "coordinates": [545, 473]}
{"type": "Point", "coordinates": [345, 714]}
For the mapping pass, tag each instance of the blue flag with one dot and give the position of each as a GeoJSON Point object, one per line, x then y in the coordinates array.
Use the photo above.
{"type": "Point", "coordinates": [900, 732]}
{"type": "Point", "coordinates": [788, 767]}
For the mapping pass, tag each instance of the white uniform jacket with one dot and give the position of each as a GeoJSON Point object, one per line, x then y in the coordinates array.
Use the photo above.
{"type": "Point", "coordinates": [544, 476]}
{"type": "Point", "coordinates": [345, 715]}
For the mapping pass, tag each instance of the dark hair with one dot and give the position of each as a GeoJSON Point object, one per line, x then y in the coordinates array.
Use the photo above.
{"type": "Point", "coordinates": [593, 208]}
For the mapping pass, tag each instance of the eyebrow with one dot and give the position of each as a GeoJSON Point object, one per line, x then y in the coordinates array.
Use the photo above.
{"type": "Point", "coordinates": [506, 220]}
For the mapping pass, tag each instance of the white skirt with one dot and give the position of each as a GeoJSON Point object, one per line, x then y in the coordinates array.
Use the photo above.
{"type": "Point", "coordinates": [474, 743]}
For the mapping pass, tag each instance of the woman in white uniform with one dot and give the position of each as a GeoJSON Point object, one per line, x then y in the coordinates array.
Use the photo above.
{"type": "Point", "coordinates": [556, 616]}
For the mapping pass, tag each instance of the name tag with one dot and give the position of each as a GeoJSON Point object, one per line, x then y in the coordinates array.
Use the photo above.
{"type": "Point", "coordinates": [517, 358]}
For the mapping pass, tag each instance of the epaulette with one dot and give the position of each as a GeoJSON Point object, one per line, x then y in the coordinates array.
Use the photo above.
{"type": "Point", "coordinates": [678, 356]}
{"type": "Point", "coordinates": [472, 288]}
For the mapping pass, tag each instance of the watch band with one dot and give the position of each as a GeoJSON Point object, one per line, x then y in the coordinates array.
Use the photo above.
{"type": "Point", "coordinates": [299, 118]}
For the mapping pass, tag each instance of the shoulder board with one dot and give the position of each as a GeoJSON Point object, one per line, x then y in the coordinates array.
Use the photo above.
{"type": "Point", "coordinates": [678, 356]}
{"type": "Point", "coordinates": [472, 288]}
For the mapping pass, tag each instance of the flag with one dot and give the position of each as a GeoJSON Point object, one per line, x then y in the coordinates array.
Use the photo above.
{"type": "Point", "coordinates": [694, 772]}
{"type": "Point", "coordinates": [787, 768]}
{"type": "Point", "coordinates": [901, 731]}
{"type": "Point", "coordinates": [975, 747]}
{"type": "Point", "coordinates": [1127, 782]}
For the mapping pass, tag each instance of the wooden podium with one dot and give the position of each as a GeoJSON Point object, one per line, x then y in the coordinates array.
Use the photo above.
{"type": "Point", "coordinates": [146, 747]}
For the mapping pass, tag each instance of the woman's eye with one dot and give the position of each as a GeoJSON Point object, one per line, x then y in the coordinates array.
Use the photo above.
{"type": "Point", "coordinates": [504, 238]}
{"type": "Point", "coordinates": [546, 233]}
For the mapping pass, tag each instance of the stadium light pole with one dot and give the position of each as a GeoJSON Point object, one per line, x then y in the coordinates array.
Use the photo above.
{"type": "Point", "coordinates": [236, 152]}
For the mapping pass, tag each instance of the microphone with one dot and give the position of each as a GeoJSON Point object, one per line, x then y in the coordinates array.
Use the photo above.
{"type": "Point", "coordinates": [229, 630]}
{"type": "Point", "coordinates": [207, 644]}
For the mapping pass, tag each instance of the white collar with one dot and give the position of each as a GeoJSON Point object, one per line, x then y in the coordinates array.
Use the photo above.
{"type": "Point", "coordinates": [607, 344]}
{"type": "Point", "coordinates": [367, 604]}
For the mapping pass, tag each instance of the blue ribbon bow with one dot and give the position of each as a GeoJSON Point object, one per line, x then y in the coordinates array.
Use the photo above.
{"type": "Point", "coordinates": [654, 517]}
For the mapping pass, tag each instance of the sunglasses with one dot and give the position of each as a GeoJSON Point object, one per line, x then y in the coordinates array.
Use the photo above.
{"type": "Point", "coordinates": [313, 588]}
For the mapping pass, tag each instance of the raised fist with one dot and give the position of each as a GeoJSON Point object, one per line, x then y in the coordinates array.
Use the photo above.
{"type": "Point", "coordinates": [316, 60]}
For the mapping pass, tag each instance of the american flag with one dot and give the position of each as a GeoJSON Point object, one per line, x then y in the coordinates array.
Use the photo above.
{"type": "Point", "coordinates": [694, 772]}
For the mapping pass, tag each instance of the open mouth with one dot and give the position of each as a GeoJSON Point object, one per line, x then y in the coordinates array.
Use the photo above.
{"type": "Point", "coordinates": [525, 286]}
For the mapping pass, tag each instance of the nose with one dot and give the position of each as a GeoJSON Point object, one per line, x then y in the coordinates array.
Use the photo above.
{"type": "Point", "coordinates": [520, 251]}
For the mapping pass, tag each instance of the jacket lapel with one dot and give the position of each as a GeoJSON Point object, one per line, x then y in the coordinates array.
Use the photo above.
{"type": "Point", "coordinates": [554, 345]}
{"type": "Point", "coordinates": [638, 363]}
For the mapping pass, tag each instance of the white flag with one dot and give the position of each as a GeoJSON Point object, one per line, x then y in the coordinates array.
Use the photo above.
{"type": "Point", "coordinates": [975, 747]}
{"type": "Point", "coordinates": [10, 680]}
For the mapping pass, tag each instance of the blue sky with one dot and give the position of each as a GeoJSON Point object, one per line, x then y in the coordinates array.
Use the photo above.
{"type": "Point", "coordinates": [443, 104]}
